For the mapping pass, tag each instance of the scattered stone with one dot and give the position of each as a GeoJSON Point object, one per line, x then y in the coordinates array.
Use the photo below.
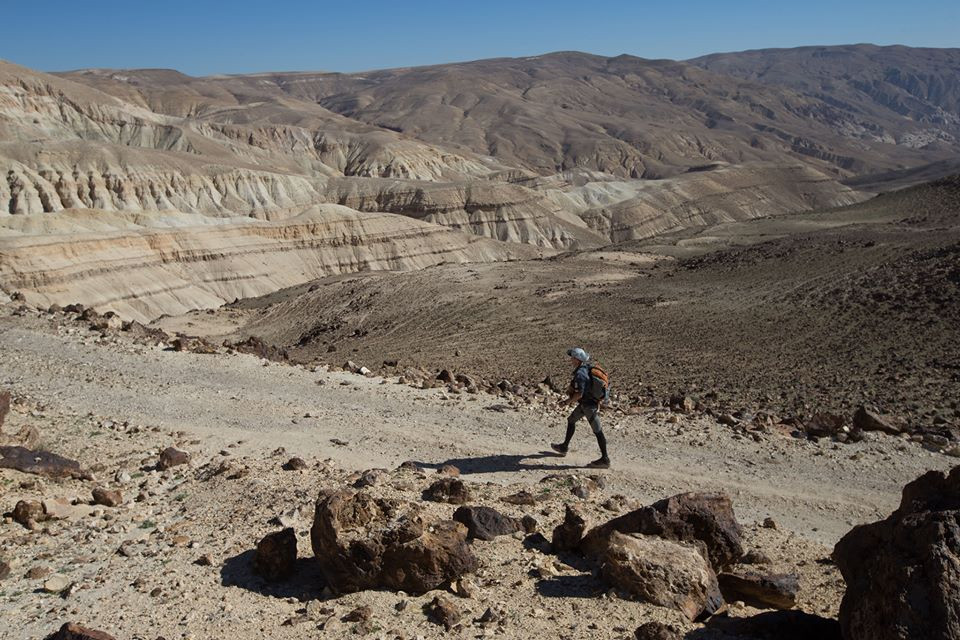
{"type": "Point", "coordinates": [107, 497]}
{"type": "Point", "coordinates": [28, 513]}
{"type": "Point", "coordinates": [824, 425]}
{"type": "Point", "coordinates": [362, 542]}
{"type": "Point", "coordinates": [369, 478]}
{"type": "Point", "coordinates": [583, 488]}
{"type": "Point", "coordinates": [666, 573]}
{"type": "Point", "coordinates": [901, 571]}
{"type": "Point", "coordinates": [866, 420]}
{"type": "Point", "coordinates": [204, 561]}
{"type": "Point", "coordinates": [755, 556]}
{"type": "Point", "coordinates": [449, 470]}
{"type": "Point", "coordinates": [363, 613]}
{"type": "Point", "coordinates": [489, 618]}
{"type": "Point", "coordinates": [449, 490]}
{"type": "Point", "coordinates": [763, 591]}
{"type": "Point", "coordinates": [57, 584]}
{"type": "Point", "coordinates": [172, 457]}
{"type": "Point", "coordinates": [38, 573]}
{"type": "Point", "coordinates": [73, 631]}
{"type": "Point", "coordinates": [485, 523]}
{"type": "Point", "coordinates": [42, 463]}
{"type": "Point", "coordinates": [442, 611]}
{"type": "Point", "coordinates": [276, 555]}
{"type": "Point", "coordinates": [568, 534]}
{"type": "Point", "coordinates": [295, 464]}
{"type": "Point", "coordinates": [704, 519]}
{"type": "Point", "coordinates": [465, 588]}
{"type": "Point", "coordinates": [4, 569]}
{"type": "Point", "coordinates": [770, 523]}
{"type": "Point", "coordinates": [410, 465]}
{"type": "Point", "coordinates": [529, 524]}
{"type": "Point", "coordinates": [657, 631]}
{"type": "Point", "coordinates": [523, 498]}
{"type": "Point", "coordinates": [257, 347]}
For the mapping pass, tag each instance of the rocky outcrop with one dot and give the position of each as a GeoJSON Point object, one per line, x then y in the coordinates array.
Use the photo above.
{"type": "Point", "coordinates": [362, 542]}
{"type": "Point", "coordinates": [705, 520]}
{"type": "Point", "coordinates": [663, 572]}
{"type": "Point", "coordinates": [902, 572]}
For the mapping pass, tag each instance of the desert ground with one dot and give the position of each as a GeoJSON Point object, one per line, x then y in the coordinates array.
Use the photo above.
{"type": "Point", "coordinates": [114, 404]}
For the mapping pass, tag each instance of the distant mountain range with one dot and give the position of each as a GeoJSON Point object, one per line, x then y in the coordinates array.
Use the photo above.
{"type": "Point", "coordinates": [846, 109]}
{"type": "Point", "coordinates": [560, 151]}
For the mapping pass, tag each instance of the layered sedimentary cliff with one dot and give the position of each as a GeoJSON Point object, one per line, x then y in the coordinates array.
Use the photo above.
{"type": "Point", "coordinates": [147, 267]}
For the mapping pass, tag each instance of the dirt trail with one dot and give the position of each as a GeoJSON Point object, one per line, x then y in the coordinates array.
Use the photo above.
{"type": "Point", "coordinates": [815, 490]}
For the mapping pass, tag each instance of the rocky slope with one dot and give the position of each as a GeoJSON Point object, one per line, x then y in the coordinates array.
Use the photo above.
{"type": "Point", "coordinates": [920, 85]}
{"type": "Point", "coordinates": [790, 315]}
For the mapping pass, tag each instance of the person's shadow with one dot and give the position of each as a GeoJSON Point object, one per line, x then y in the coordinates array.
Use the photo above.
{"type": "Point", "coordinates": [501, 463]}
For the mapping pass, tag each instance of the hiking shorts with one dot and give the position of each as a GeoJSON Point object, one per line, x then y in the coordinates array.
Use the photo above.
{"type": "Point", "coordinates": [588, 411]}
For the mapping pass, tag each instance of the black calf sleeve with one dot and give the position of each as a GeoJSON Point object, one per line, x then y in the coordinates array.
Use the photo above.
{"type": "Point", "coordinates": [602, 441]}
{"type": "Point", "coordinates": [571, 428]}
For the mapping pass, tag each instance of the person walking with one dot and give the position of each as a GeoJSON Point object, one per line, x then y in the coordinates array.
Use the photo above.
{"type": "Point", "coordinates": [589, 387]}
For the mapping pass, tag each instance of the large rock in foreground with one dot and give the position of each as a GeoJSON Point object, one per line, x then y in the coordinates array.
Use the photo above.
{"type": "Point", "coordinates": [362, 542]}
{"type": "Point", "coordinates": [73, 631]}
{"type": "Point", "coordinates": [704, 519]}
{"type": "Point", "coordinates": [903, 573]}
{"type": "Point", "coordinates": [669, 574]}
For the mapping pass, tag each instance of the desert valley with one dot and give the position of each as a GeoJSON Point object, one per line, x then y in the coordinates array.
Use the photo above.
{"type": "Point", "coordinates": [281, 353]}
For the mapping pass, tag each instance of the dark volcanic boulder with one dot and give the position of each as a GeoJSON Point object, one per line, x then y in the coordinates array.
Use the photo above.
{"type": "Point", "coordinates": [705, 519]}
{"type": "Point", "coordinates": [276, 555]}
{"type": "Point", "coordinates": [362, 542]}
{"type": "Point", "coordinates": [485, 523]}
{"type": "Point", "coordinates": [666, 573]}
{"type": "Point", "coordinates": [763, 591]}
{"type": "Point", "coordinates": [903, 573]}
{"type": "Point", "coordinates": [73, 631]}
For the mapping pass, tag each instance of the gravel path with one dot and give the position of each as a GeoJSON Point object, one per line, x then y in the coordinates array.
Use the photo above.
{"type": "Point", "coordinates": [816, 490]}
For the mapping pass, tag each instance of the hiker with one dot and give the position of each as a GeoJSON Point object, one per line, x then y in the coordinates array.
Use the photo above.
{"type": "Point", "coordinates": [588, 389]}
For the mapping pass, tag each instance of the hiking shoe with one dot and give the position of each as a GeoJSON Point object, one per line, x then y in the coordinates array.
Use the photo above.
{"type": "Point", "coordinates": [600, 463]}
{"type": "Point", "coordinates": [559, 448]}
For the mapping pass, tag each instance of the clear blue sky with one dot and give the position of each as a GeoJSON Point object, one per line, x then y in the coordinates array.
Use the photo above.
{"type": "Point", "coordinates": [203, 37]}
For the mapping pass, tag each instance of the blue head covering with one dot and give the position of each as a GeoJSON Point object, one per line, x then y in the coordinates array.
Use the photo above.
{"type": "Point", "coordinates": [579, 354]}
